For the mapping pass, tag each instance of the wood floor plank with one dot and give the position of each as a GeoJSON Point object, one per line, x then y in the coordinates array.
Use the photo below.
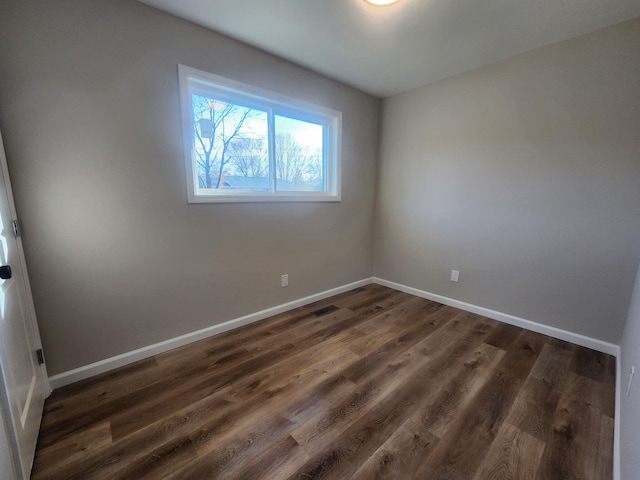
{"type": "Point", "coordinates": [310, 366]}
{"type": "Point", "coordinates": [222, 452]}
{"type": "Point", "coordinates": [340, 457]}
{"type": "Point", "coordinates": [433, 413]}
{"type": "Point", "coordinates": [590, 364]}
{"type": "Point", "coordinates": [576, 428]}
{"type": "Point", "coordinates": [169, 456]}
{"type": "Point", "coordinates": [534, 409]}
{"type": "Point", "coordinates": [553, 364]}
{"type": "Point", "coordinates": [400, 455]}
{"type": "Point", "coordinates": [278, 462]}
{"type": "Point", "coordinates": [228, 369]}
{"type": "Point", "coordinates": [364, 298]}
{"type": "Point", "coordinates": [573, 448]}
{"type": "Point", "coordinates": [503, 336]}
{"type": "Point", "coordinates": [225, 459]}
{"type": "Point", "coordinates": [584, 390]}
{"type": "Point", "coordinates": [523, 354]}
{"type": "Point", "coordinates": [460, 453]}
{"type": "Point", "coordinates": [90, 441]}
{"type": "Point", "coordinates": [103, 463]}
{"type": "Point", "coordinates": [460, 392]}
{"type": "Point", "coordinates": [604, 461]}
{"type": "Point", "coordinates": [311, 326]}
{"type": "Point", "coordinates": [253, 430]}
{"type": "Point", "coordinates": [67, 403]}
{"type": "Point", "coordinates": [368, 384]}
{"type": "Point", "coordinates": [608, 389]}
{"type": "Point", "coordinates": [375, 351]}
{"type": "Point", "coordinates": [514, 455]}
{"type": "Point", "coordinates": [375, 382]}
{"type": "Point", "coordinates": [117, 377]}
{"type": "Point", "coordinates": [363, 437]}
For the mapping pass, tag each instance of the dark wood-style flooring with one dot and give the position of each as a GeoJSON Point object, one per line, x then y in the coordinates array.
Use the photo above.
{"type": "Point", "coordinates": [370, 384]}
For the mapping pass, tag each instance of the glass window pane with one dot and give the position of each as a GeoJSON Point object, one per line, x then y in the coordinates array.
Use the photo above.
{"type": "Point", "coordinates": [299, 154]}
{"type": "Point", "coordinates": [245, 144]}
{"type": "Point", "coordinates": [230, 146]}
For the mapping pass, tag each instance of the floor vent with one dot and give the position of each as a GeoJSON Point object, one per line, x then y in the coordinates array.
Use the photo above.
{"type": "Point", "coordinates": [325, 310]}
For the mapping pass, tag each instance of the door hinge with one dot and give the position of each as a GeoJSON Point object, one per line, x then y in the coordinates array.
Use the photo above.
{"type": "Point", "coordinates": [40, 356]}
{"type": "Point", "coordinates": [16, 228]}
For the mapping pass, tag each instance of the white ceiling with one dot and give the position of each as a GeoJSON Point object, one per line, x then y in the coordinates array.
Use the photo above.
{"type": "Point", "coordinates": [387, 50]}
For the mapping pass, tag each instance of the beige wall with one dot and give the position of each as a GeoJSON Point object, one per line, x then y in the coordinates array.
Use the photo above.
{"type": "Point", "coordinates": [525, 176]}
{"type": "Point", "coordinates": [118, 259]}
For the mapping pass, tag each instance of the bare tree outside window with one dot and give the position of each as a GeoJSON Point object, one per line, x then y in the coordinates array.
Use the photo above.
{"type": "Point", "coordinates": [250, 157]}
{"type": "Point", "coordinates": [219, 130]}
{"type": "Point", "coordinates": [290, 159]}
{"type": "Point", "coordinates": [298, 154]}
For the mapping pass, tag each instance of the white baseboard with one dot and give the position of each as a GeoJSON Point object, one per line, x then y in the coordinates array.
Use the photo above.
{"type": "Point", "coordinates": [582, 340]}
{"type": "Point", "coordinates": [107, 364]}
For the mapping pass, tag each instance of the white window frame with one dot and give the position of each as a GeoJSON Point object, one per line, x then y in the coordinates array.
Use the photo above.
{"type": "Point", "coordinates": [192, 80]}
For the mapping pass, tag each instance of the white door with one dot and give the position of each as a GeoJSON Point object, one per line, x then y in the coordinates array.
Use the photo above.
{"type": "Point", "coordinates": [23, 381]}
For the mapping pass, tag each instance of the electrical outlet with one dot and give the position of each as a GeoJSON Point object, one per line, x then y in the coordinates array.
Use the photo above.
{"type": "Point", "coordinates": [455, 276]}
{"type": "Point", "coordinates": [285, 280]}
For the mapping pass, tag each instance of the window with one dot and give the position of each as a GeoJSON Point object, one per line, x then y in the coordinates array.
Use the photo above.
{"type": "Point", "coordinates": [244, 144]}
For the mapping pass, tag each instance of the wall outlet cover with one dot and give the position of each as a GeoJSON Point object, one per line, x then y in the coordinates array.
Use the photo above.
{"type": "Point", "coordinates": [455, 276]}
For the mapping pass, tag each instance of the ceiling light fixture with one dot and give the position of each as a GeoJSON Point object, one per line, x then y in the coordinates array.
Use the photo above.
{"type": "Point", "coordinates": [381, 2]}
